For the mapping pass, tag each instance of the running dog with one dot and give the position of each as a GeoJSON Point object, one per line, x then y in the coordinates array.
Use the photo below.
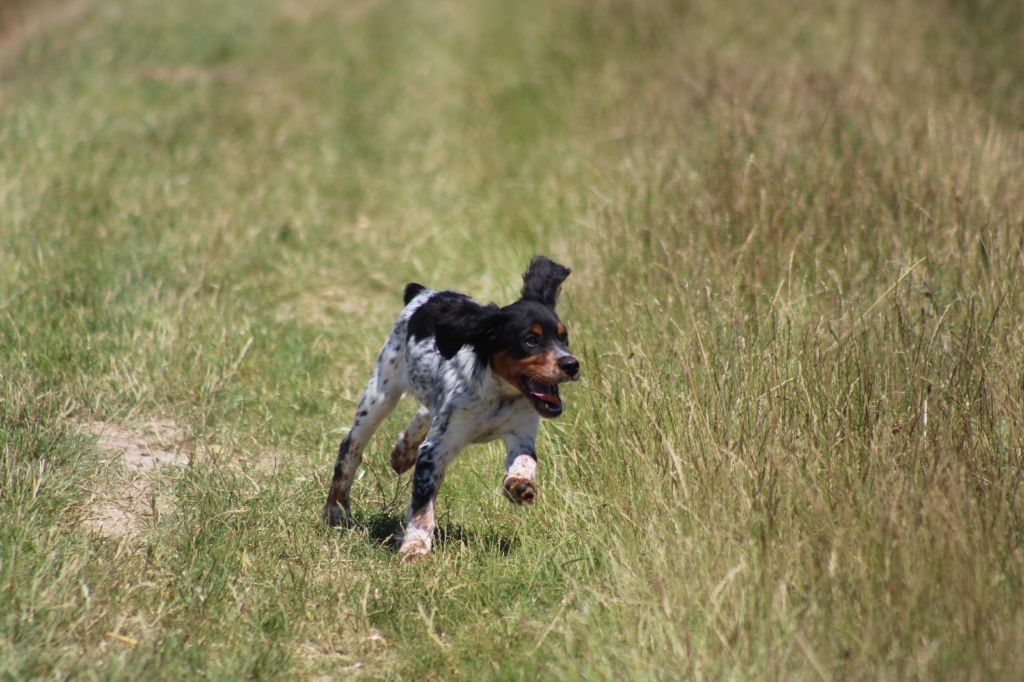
{"type": "Point", "coordinates": [480, 372]}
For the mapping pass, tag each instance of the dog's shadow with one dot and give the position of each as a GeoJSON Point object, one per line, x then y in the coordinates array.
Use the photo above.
{"type": "Point", "coordinates": [386, 529]}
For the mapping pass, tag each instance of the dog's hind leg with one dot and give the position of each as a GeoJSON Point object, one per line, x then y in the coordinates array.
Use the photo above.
{"type": "Point", "coordinates": [378, 400]}
{"type": "Point", "coordinates": [403, 455]}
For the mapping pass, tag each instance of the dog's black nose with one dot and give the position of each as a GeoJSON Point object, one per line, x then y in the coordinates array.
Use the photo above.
{"type": "Point", "coordinates": [569, 365]}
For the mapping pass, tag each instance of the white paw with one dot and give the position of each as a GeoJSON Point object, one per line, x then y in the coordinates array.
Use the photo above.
{"type": "Point", "coordinates": [416, 543]}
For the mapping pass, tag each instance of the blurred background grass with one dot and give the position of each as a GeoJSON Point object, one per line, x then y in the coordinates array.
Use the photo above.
{"type": "Point", "coordinates": [796, 231]}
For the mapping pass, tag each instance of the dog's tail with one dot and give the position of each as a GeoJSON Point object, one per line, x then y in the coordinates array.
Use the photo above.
{"type": "Point", "coordinates": [412, 290]}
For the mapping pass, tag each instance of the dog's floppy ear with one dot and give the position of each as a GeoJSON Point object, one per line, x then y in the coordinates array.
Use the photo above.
{"type": "Point", "coordinates": [542, 281]}
{"type": "Point", "coordinates": [463, 322]}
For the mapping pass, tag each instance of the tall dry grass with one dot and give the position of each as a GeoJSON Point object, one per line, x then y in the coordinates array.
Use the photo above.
{"type": "Point", "coordinates": [796, 233]}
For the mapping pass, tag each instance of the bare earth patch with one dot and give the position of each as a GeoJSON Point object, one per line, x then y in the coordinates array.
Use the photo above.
{"type": "Point", "coordinates": [141, 457]}
{"type": "Point", "coordinates": [23, 20]}
{"type": "Point", "coordinates": [144, 461]}
{"type": "Point", "coordinates": [307, 11]}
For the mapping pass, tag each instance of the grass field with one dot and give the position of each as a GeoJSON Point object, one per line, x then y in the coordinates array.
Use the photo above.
{"type": "Point", "coordinates": [797, 236]}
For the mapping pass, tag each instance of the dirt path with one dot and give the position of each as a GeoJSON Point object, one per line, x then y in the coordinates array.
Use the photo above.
{"type": "Point", "coordinates": [141, 459]}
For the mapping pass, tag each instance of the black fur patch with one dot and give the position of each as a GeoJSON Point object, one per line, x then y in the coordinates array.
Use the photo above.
{"type": "Point", "coordinates": [342, 454]}
{"type": "Point", "coordinates": [411, 291]}
{"type": "Point", "coordinates": [542, 280]}
{"type": "Point", "coordinates": [424, 481]}
{"type": "Point", "coordinates": [455, 320]}
{"type": "Point", "coordinates": [517, 320]}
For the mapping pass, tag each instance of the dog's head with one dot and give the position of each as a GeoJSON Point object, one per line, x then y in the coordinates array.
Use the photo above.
{"type": "Point", "coordinates": [525, 342]}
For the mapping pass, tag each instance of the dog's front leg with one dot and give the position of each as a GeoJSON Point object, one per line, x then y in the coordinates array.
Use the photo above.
{"type": "Point", "coordinates": [419, 520]}
{"type": "Point", "coordinates": [431, 461]}
{"type": "Point", "coordinates": [450, 431]}
{"type": "Point", "coordinates": [520, 469]}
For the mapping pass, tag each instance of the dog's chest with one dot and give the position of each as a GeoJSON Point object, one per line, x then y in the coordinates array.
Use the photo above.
{"type": "Point", "coordinates": [488, 419]}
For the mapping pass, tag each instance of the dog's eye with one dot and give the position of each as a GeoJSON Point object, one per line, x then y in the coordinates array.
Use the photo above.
{"type": "Point", "coordinates": [531, 340]}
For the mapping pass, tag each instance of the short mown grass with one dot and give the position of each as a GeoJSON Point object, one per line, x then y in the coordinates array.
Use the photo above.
{"type": "Point", "coordinates": [797, 236]}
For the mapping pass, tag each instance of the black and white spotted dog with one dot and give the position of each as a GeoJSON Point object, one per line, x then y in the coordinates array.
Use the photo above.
{"type": "Point", "coordinates": [480, 372]}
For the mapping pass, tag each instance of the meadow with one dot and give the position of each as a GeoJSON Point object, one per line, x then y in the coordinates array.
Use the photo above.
{"type": "Point", "coordinates": [796, 231]}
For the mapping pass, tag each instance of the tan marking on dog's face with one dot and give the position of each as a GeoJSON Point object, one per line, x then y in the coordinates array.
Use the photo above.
{"type": "Point", "coordinates": [536, 329]}
{"type": "Point", "coordinates": [542, 367]}
{"type": "Point", "coordinates": [560, 329]}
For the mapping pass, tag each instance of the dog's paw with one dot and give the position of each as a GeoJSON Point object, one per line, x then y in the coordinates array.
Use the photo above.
{"type": "Point", "coordinates": [335, 515]}
{"type": "Point", "coordinates": [403, 457]}
{"type": "Point", "coordinates": [416, 544]}
{"type": "Point", "coordinates": [410, 556]}
{"type": "Point", "coordinates": [520, 490]}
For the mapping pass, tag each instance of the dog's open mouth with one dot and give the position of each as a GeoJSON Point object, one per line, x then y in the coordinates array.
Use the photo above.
{"type": "Point", "coordinates": [545, 398]}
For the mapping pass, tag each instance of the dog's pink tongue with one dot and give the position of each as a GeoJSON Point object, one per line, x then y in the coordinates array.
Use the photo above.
{"type": "Point", "coordinates": [547, 397]}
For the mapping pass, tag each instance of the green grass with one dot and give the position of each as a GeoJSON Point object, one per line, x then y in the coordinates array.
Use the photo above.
{"type": "Point", "coordinates": [797, 236]}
